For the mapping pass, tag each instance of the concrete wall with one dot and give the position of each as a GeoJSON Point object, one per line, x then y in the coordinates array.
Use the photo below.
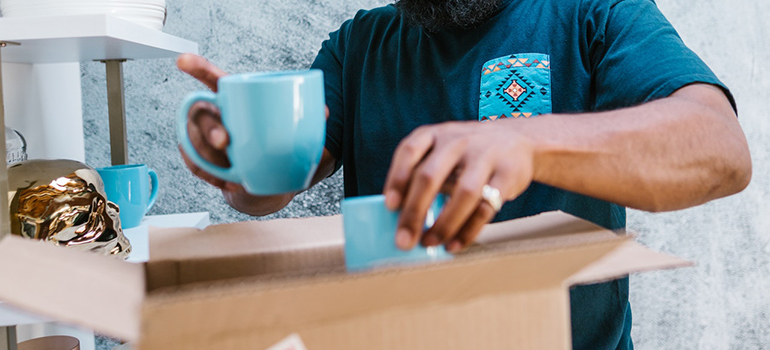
{"type": "Point", "coordinates": [722, 303]}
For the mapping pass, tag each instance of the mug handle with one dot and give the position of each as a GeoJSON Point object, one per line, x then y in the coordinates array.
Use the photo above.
{"type": "Point", "coordinates": [227, 174]}
{"type": "Point", "coordinates": [154, 191]}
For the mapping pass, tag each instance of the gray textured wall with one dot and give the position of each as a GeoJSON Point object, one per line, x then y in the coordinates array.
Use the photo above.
{"type": "Point", "coordinates": [720, 304]}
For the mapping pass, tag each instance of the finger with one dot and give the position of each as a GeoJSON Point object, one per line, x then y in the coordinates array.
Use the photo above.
{"type": "Point", "coordinates": [425, 185]}
{"type": "Point", "coordinates": [408, 154]}
{"type": "Point", "coordinates": [201, 69]}
{"type": "Point", "coordinates": [207, 134]}
{"type": "Point", "coordinates": [482, 214]}
{"type": "Point", "coordinates": [209, 120]}
{"type": "Point", "coordinates": [451, 181]}
{"type": "Point", "coordinates": [214, 181]}
{"type": "Point", "coordinates": [465, 198]}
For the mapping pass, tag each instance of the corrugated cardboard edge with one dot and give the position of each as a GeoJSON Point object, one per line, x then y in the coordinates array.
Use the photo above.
{"type": "Point", "coordinates": [89, 290]}
{"type": "Point", "coordinates": [630, 257]}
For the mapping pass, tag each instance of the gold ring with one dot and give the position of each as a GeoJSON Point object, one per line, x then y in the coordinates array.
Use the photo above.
{"type": "Point", "coordinates": [492, 196]}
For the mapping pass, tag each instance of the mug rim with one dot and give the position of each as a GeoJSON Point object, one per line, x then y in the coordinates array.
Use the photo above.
{"type": "Point", "coordinates": [272, 76]}
{"type": "Point", "coordinates": [122, 167]}
{"type": "Point", "coordinates": [375, 198]}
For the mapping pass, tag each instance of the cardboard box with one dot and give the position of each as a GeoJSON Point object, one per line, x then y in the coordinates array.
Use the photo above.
{"type": "Point", "coordinates": [249, 285]}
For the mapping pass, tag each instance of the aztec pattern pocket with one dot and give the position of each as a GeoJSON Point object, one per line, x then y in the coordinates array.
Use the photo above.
{"type": "Point", "coordinates": [515, 86]}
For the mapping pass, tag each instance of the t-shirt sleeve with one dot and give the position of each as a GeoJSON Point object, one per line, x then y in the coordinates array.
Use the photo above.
{"type": "Point", "coordinates": [637, 56]}
{"type": "Point", "coordinates": [330, 60]}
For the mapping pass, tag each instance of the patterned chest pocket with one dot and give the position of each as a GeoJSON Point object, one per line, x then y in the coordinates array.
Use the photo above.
{"type": "Point", "coordinates": [515, 86]}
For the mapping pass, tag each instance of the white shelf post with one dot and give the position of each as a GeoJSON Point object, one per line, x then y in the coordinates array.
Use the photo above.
{"type": "Point", "coordinates": [7, 334]}
{"type": "Point", "coordinates": [5, 215]}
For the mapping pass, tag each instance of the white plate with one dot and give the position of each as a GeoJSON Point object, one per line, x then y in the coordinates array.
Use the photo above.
{"type": "Point", "coordinates": [67, 2]}
{"type": "Point", "coordinates": [138, 9]}
{"type": "Point", "coordinates": [81, 3]}
{"type": "Point", "coordinates": [127, 4]}
{"type": "Point", "coordinates": [147, 18]}
{"type": "Point", "coordinates": [84, 11]}
{"type": "Point", "coordinates": [149, 23]}
{"type": "Point", "coordinates": [149, 13]}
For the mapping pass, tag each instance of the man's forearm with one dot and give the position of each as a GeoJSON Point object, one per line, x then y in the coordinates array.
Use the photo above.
{"type": "Point", "coordinates": [255, 205]}
{"type": "Point", "coordinates": [669, 154]}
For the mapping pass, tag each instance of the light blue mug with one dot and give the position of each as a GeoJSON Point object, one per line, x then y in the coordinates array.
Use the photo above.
{"type": "Point", "coordinates": [134, 188]}
{"type": "Point", "coordinates": [277, 127]}
{"type": "Point", "coordinates": [370, 235]}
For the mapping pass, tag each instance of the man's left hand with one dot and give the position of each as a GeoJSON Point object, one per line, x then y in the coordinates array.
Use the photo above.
{"type": "Point", "coordinates": [458, 158]}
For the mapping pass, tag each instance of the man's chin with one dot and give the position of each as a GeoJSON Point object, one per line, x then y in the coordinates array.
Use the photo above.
{"type": "Point", "coordinates": [437, 15]}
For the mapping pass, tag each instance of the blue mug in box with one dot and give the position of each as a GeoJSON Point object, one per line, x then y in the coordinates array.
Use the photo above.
{"type": "Point", "coordinates": [370, 235]}
{"type": "Point", "coordinates": [277, 127]}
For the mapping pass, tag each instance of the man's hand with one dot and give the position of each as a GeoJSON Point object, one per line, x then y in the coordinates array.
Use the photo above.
{"type": "Point", "coordinates": [204, 125]}
{"type": "Point", "coordinates": [210, 139]}
{"type": "Point", "coordinates": [458, 158]}
{"type": "Point", "coordinates": [668, 154]}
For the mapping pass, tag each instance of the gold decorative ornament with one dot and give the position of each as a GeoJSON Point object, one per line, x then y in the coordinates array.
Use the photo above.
{"type": "Point", "coordinates": [63, 202]}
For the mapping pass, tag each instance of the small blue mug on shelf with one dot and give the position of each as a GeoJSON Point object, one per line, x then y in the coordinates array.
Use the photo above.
{"type": "Point", "coordinates": [134, 188]}
{"type": "Point", "coordinates": [370, 235]}
{"type": "Point", "coordinates": [277, 127]}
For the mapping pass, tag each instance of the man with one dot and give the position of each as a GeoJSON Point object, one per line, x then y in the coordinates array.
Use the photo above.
{"type": "Point", "coordinates": [585, 106]}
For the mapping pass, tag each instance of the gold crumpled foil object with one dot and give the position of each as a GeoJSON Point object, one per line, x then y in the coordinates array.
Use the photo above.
{"type": "Point", "coordinates": [63, 202]}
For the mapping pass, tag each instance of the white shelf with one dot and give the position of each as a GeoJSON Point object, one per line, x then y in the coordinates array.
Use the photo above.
{"type": "Point", "coordinates": [11, 316]}
{"type": "Point", "coordinates": [139, 236]}
{"type": "Point", "coordinates": [83, 38]}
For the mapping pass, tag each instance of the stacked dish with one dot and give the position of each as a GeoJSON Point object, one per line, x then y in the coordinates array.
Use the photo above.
{"type": "Point", "coordinates": [149, 13]}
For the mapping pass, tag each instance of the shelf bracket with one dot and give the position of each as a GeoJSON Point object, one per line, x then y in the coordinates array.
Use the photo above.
{"type": "Point", "coordinates": [8, 338]}
{"type": "Point", "coordinates": [116, 103]}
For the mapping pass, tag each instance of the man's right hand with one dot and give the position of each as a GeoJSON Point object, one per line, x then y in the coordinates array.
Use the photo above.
{"type": "Point", "coordinates": [204, 124]}
{"type": "Point", "coordinates": [210, 139]}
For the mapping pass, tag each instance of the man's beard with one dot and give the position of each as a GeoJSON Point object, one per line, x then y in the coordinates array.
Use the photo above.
{"type": "Point", "coordinates": [435, 15]}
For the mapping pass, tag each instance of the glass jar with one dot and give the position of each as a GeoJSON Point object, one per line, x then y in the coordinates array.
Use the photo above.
{"type": "Point", "coordinates": [15, 146]}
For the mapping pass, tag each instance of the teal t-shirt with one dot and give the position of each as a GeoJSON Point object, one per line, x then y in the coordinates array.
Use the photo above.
{"type": "Point", "coordinates": [385, 78]}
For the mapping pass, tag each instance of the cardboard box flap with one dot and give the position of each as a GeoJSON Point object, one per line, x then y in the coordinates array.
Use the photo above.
{"type": "Point", "coordinates": [246, 238]}
{"type": "Point", "coordinates": [281, 235]}
{"type": "Point", "coordinates": [630, 257]}
{"type": "Point", "coordinates": [185, 255]}
{"type": "Point", "coordinates": [90, 290]}
{"type": "Point", "coordinates": [545, 225]}
{"type": "Point", "coordinates": [258, 305]}
{"type": "Point", "coordinates": [182, 256]}
{"type": "Point", "coordinates": [170, 273]}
